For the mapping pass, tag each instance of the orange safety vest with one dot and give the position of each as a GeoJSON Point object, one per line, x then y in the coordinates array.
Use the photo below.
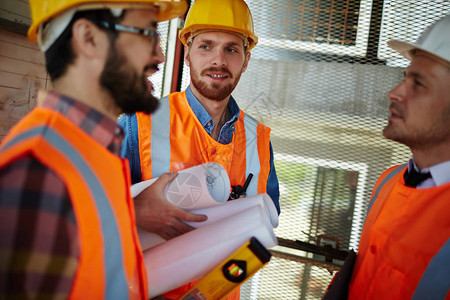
{"type": "Point", "coordinates": [110, 265]}
{"type": "Point", "coordinates": [404, 248]}
{"type": "Point", "coordinates": [173, 139]}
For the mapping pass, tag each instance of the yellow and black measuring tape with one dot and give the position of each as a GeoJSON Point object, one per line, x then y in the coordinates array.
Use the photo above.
{"type": "Point", "coordinates": [231, 273]}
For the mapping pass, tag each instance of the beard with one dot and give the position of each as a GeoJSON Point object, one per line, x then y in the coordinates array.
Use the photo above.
{"type": "Point", "coordinates": [435, 133]}
{"type": "Point", "coordinates": [215, 91]}
{"type": "Point", "coordinates": [127, 88]}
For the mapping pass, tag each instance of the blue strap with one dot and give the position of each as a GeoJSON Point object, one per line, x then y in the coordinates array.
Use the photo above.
{"type": "Point", "coordinates": [394, 172]}
{"type": "Point", "coordinates": [116, 282]}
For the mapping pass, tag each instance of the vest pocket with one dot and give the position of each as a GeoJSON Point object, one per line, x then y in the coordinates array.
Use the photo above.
{"type": "Point", "coordinates": [387, 283]}
{"type": "Point", "coordinates": [382, 268]}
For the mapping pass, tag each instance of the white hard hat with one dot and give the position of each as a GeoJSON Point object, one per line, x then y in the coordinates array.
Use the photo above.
{"type": "Point", "coordinates": [434, 40]}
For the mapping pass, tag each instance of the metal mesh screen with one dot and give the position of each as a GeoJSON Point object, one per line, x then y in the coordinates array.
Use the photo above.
{"type": "Point", "coordinates": [319, 78]}
{"type": "Point", "coordinates": [157, 79]}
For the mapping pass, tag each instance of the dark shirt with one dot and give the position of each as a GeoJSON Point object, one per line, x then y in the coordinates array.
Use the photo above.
{"type": "Point", "coordinates": [39, 245]}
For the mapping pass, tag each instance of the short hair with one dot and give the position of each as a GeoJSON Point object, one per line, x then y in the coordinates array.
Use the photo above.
{"type": "Point", "coordinates": [60, 55]}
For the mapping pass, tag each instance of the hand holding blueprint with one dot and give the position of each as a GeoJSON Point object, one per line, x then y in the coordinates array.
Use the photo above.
{"type": "Point", "coordinates": [204, 189]}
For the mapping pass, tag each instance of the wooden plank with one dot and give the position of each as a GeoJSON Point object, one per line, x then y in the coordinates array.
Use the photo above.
{"type": "Point", "coordinates": [15, 66]}
{"type": "Point", "coordinates": [18, 96]}
{"type": "Point", "coordinates": [21, 53]}
{"type": "Point", "coordinates": [5, 92]}
{"type": "Point", "coordinates": [16, 103]}
{"type": "Point", "coordinates": [5, 126]}
{"type": "Point", "coordinates": [18, 39]}
{"type": "Point", "coordinates": [17, 81]}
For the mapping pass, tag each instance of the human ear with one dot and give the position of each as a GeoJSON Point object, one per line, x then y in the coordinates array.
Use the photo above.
{"type": "Point", "coordinates": [247, 59]}
{"type": "Point", "coordinates": [87, 39]}
{"type": "Point", "coordinates": [186, 55]}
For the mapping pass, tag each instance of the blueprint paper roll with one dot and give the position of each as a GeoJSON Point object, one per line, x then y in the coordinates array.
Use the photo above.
{"type": "Point", "coordinates": [231, 207]}
{"type": "Point", "coordinates": [196, 187]}
{"type": "Point", "coordinates": [215, 213]}
{"type": "Point", "coordinates": [192, 255]}
{"type": "Point", "coordinates": [137, 188]}
{"type": "Point", "coordinates": [149, 239]}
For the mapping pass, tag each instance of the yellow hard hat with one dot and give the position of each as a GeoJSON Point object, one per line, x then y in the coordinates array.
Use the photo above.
{"type": "Point", "coordinates": [219, 15]}
{"type": "Point", "coordinates": [44, 10]}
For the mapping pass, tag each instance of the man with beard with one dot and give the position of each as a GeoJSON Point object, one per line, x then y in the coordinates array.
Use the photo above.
{"type": "Point", "coordinates": [404, 250]}
{"type": "Point", "coordinates": [68, 226]}
{"type": "Point", "coordinates": [204, 123]}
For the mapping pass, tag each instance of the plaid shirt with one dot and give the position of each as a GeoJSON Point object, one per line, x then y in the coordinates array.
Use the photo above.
{"type": "Point", "coordinates": [39, 245]}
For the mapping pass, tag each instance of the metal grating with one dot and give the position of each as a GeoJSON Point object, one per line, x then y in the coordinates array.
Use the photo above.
{"type": "Point", "coordinates": [332, 22]}
{"type": "Point", "coordinates": [319, 78]}
{"type": "Point", "coordinates": [158, 78]}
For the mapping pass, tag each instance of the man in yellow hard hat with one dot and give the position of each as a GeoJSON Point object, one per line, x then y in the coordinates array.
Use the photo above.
{"type": "Point", "coordinates": [68, 224]}
{"type": "Point", "coordinates": [204, 123]}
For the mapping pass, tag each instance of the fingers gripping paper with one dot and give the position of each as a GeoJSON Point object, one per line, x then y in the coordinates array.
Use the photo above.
{"type": "Point", "coordinates": [197, 187]}
{"type": "Point", "coordinates": [201, 186]}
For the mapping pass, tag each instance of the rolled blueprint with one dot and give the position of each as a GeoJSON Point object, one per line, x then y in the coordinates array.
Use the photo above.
{"type": "Point", "coordinates": [197, 187]}
{"type": "Point", "coordinates": [231, 207]}
{"type": "Point", "coordinates": [205, 185]}
{"type": "Point", "coordinates": [218, 212]}
{"type": "Point", "coordinates": [192, 255]}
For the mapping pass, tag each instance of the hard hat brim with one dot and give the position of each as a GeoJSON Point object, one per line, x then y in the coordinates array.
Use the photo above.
{"type": "Point", "coordinates": [405, 48]}
{"type": "Point", "coordinates": [185, 33]}
{"type": "Point", "coordinates": [402, 47]}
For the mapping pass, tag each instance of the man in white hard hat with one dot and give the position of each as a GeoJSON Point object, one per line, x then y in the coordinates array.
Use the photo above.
{"type": "Point", "coordinates": [404, 251]}
{"type": "Point", "coordinates": [68, 224]}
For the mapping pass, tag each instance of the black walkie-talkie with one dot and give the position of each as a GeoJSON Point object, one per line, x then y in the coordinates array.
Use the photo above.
{"type": "Point", "coordinates": [238, 191]}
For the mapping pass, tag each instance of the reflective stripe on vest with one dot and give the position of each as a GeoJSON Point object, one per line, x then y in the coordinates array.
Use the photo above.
{"type": "Point", "coordinates": [385, 180]}
{"type": "Point", "coordinates": [436, 276]}
{"type": "Point", "coordinates": [253, 165]}
{"type": "Point", "coordinates": [117, 284]}
{"type": "Point", "coordinates": [161, 120]}
{"type": "Point", "coordinates": [159, 153]}
{"type": "Point", "coordinates": [52, 147]}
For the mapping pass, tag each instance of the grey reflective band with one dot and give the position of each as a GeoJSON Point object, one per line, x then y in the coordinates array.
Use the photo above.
{"type": "Point", "coordinates": [385, 180]}
{"type": "Point", "coordinates": [251, 154]}
{"type": "Point", "coordinates": [160, 149]}
{"type": "Point", "coordinates": [116, 282]}
{"type": "Point", "coordinates": [435, 281]}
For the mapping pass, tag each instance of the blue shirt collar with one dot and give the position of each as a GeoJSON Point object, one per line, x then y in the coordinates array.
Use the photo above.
{"type": "Point", "coordinates": [204, 117]}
